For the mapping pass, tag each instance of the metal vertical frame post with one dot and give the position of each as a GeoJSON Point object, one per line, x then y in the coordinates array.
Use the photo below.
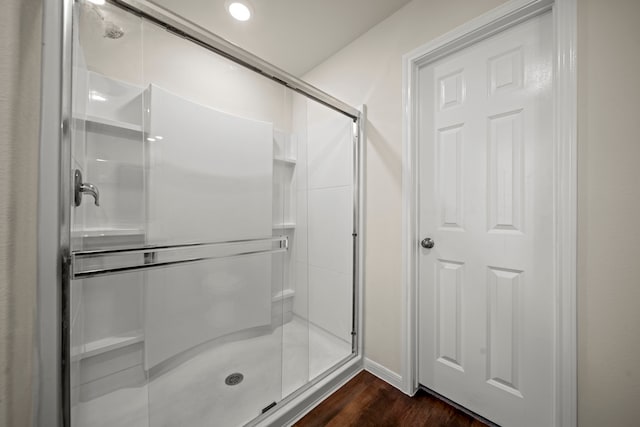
{"type": "Point", "coordinates": [52, 403]}
{"type": "Point", "coordinates": [355, 236]}
{"type": "Point", "coordinates": [65, 207]}
{"type": "Point", "coordinates": [358, 238]}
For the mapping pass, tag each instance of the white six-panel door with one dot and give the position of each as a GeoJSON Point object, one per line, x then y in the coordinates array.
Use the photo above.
{"type": "Point", "coordinates": [486, 292]}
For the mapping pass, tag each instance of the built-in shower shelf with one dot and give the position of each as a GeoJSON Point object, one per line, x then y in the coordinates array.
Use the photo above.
{"type": "Point", "coordinates": [282, 295]}
{"type": "Point", "coordinates": [285, 160]}
{"type": "Point", "coordinates": [108, 344]}
{"type": "Point", "coordinates": [110, 122]}
{"type": "Point", "coordinates": [285, 225]}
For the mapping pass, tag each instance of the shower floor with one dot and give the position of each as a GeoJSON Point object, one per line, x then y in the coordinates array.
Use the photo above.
{"type": "Point", "coordinates": [195, 394]}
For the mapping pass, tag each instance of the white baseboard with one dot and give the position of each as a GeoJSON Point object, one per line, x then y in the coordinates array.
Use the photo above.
{"type": "Point", "coordinates": [385, 374]}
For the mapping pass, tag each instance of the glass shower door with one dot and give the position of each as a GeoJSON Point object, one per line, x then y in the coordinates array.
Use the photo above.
{"type": "Point", "coordinates": [179, 242]}
{"type": "Point", "coordinates": [213, 231]}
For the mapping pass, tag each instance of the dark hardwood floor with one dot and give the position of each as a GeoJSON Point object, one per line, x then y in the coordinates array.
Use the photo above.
{"type": "Point", "coordinates": [369, 401]}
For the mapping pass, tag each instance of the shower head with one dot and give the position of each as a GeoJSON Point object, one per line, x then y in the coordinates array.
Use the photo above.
{"type": "Point", "coordinates": [112, 31]}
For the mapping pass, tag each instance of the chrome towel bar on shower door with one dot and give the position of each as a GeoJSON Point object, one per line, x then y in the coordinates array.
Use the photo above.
{"type": "Point", "coordinates": [93, 263]}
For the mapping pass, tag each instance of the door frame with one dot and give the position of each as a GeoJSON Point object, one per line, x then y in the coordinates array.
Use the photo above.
{"type": "Point", "coordinates": [505, 16]}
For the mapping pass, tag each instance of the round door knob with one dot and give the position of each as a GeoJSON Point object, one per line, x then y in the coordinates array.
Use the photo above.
{"type": "Point", "coordinates": [427, 243]}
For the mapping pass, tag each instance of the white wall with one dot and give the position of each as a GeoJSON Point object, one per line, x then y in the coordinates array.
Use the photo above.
{"type": "Point", "coordinates": [369, 71]}
{"type": "Point", "coordinates": [20, 48]}
{"type": "Point", "coordinates": [608, 212]}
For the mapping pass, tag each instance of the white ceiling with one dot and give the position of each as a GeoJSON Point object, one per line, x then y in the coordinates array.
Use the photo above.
{"type": "Point", "coordinates": [294, 35]}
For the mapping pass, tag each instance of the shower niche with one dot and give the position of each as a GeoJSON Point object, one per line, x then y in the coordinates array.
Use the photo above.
{"type": "Point", "coordinates": [223, 239]}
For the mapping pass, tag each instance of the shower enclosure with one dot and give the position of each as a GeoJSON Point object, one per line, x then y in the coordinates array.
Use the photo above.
{"type": "Point", "coordinates": [212, 234]}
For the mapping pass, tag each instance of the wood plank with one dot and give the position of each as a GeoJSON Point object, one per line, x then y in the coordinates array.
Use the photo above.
{"type": "Point", "coordinates": [369, 401]}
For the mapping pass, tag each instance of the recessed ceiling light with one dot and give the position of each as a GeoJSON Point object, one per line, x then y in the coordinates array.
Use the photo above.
{"type": "Point", "coordinates": [98, 2]}
{"type": "Point", "coordinates": [239, 11]}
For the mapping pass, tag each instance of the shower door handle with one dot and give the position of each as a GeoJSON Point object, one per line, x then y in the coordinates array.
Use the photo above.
{"type": "Point", "coordinates": [83, 187]}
